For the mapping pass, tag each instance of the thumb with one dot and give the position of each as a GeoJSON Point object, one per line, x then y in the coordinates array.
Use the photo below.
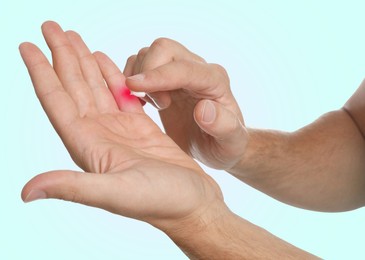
{"type": "Point", "coordinates": [87, 188]}
{"type": "Point", "coordinates": [221, 123]}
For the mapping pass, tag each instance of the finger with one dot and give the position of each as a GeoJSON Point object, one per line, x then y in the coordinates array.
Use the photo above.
{"type": "Point", "coordinates": [127, 193]}
{"type": "Point", "coordinates": [128, 68]}
{"type": "Point", "coordinates": [96, 190]}
{"type": "Point", "coordinates": [91, 72]}
{"type": "Point", "coordinates": [139, 60]}
{"type": "Point", "coordinates": [154, 99]}
{"type": "Point", "coordinates": [48, 87]}
{"type": "Point", "coordinates": [207, 81]}
{"type": "Point", "coordinates": [163, 51]}
{"type": "Point", "coordinates": [220, 123]}
{"type": "Point", "coordinates": [67, 67]}
{"type": "Point", "coordinates": [116, 83]}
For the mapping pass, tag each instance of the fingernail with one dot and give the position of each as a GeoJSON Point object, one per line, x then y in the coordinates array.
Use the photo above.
{"type": "Point", "coordinates": [208, 112]}
{"type": "Point", "coordinates": [35, 195]}
{"type": "Point", "coordinates": [138, 94]}
{"type": "Point", "coordinates": [138, 77]}
{"type": "Point", "coordinates": [160, 103]}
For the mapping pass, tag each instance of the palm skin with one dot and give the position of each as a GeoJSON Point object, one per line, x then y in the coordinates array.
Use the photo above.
{"type": "Point", "coordinates": [140, 159]}
{"type": "Point", "coordinates": [133, 168]}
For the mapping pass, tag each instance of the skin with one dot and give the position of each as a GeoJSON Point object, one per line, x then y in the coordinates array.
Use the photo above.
{"type": "Point", "coordinates": [183, 86]}
{"type": "Point", "coordinates": [131, 167]}
{"type": "Point", "coordinates": [319, 167]}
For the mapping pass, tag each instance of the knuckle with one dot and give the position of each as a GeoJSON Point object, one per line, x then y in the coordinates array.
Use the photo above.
{"type": "Point", "coordinates": [199, 59]}
{"type": "Point", "coordinates": [142, 52]}
{"type": "Point", "coordinates": [72, 196]}
{"type": "Point", "coordinates": [185, 63]}
{"type": "Point", "coordinates": [221, 73]}
{"type": "Point", "coordinates": [73, 193]}
{"type": "Point", "coordinates": [162, 43]}
{"type": "Point", "coordinates": [220, 69]}
{"type": "Point", "coordinates": [131, 59]}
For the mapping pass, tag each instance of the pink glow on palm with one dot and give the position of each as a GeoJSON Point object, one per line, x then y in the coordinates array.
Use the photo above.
{"type": "Point", "coordinates": [124, 99]}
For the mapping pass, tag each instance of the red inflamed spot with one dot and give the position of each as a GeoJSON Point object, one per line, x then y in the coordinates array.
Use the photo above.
{"type": "Point", "coordinates": [124, 98]}
{"type": "Point", "coordinates": [126, 94]}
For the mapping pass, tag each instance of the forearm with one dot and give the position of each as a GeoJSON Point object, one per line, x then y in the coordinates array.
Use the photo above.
{"type": "Point", "coordinates": [319, 167]}
{"type": "Point", "coordinates": [231, 237]}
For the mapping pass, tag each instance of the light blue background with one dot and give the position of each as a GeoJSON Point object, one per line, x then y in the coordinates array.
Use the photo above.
{"type": "Point", "coordinates": [289, 62]}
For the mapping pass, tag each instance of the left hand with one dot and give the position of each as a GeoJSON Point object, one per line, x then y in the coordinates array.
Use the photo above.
{"type": "Point", "coordinates": [133, 168]}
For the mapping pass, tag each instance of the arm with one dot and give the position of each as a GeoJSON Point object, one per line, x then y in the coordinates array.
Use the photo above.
{"type": "Point", "coordinates": [355, 107]}
{"type": "Point", "coordinates": [319, 167]}
{"type": "Point", "coordinates": [131, 167]}
{"type": "Point", "coordinates": [231, 237]}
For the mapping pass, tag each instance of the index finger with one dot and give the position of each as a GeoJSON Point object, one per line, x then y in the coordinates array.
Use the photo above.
{"type": "Point", "coordinates": [208, 81]}
{"type": "Point", "coordinates": [163, 51]}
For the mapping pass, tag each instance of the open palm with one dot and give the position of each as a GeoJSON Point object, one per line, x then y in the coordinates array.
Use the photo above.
{"type": "Point", "coordinates": [133, 168]}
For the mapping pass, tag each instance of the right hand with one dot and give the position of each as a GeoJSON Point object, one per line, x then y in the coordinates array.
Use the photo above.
{"type": "Point", "coordinates": [197, 107]}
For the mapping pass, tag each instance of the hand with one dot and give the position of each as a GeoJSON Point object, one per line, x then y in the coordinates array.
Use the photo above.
{"type": "Point", "coordinates": [197, 107]}
{"type": "Point", "coordinates": [133, 168]}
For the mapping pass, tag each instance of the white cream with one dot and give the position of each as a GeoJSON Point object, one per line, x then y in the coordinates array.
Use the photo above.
{"type": "Point", "coordinates": [138, 94]}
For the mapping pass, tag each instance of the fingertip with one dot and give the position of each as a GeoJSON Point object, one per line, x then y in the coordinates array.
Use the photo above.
{"type": "Point", "coordinates": [32, 184]}
{"type": "Point", "coordinates": [49, 24]}
{"type": "Point", "coordinates": [35, 195]}
{"type": "Point", "coordinates": [43, 185]}
{"type": "Point", "coordinates": [45, 24]}
{"type": "Point", "coordinates": [26, 189]}
{"type": "Point", "coordinates": [205, 112]}
{"type": "Point", "coordinates": [222, 124]}
{"type": "Point", "coordinates": [23, 193]}
{"type": "Point", "coordinates": [23, 46]}
{"type": "Point", "coordinates": [97, 53]}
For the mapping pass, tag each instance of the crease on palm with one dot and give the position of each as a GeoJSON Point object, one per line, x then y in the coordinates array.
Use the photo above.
{"type": "Point", "coordinates": [97, 141]}
{"type": "Point", "coordinates": [149, 178]}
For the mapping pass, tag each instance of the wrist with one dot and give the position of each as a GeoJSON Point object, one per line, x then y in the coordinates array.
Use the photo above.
{"type": "Point", "coordinates": [263, 149]}
{"type": "Point", "coordinates": [218, 233]}
{"type": "Point", "coordinates": [243, 164]}
{"type": "Point", "coordinates": [199, 235]}
{"type": "Point", "coordinates": [199, 221]}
